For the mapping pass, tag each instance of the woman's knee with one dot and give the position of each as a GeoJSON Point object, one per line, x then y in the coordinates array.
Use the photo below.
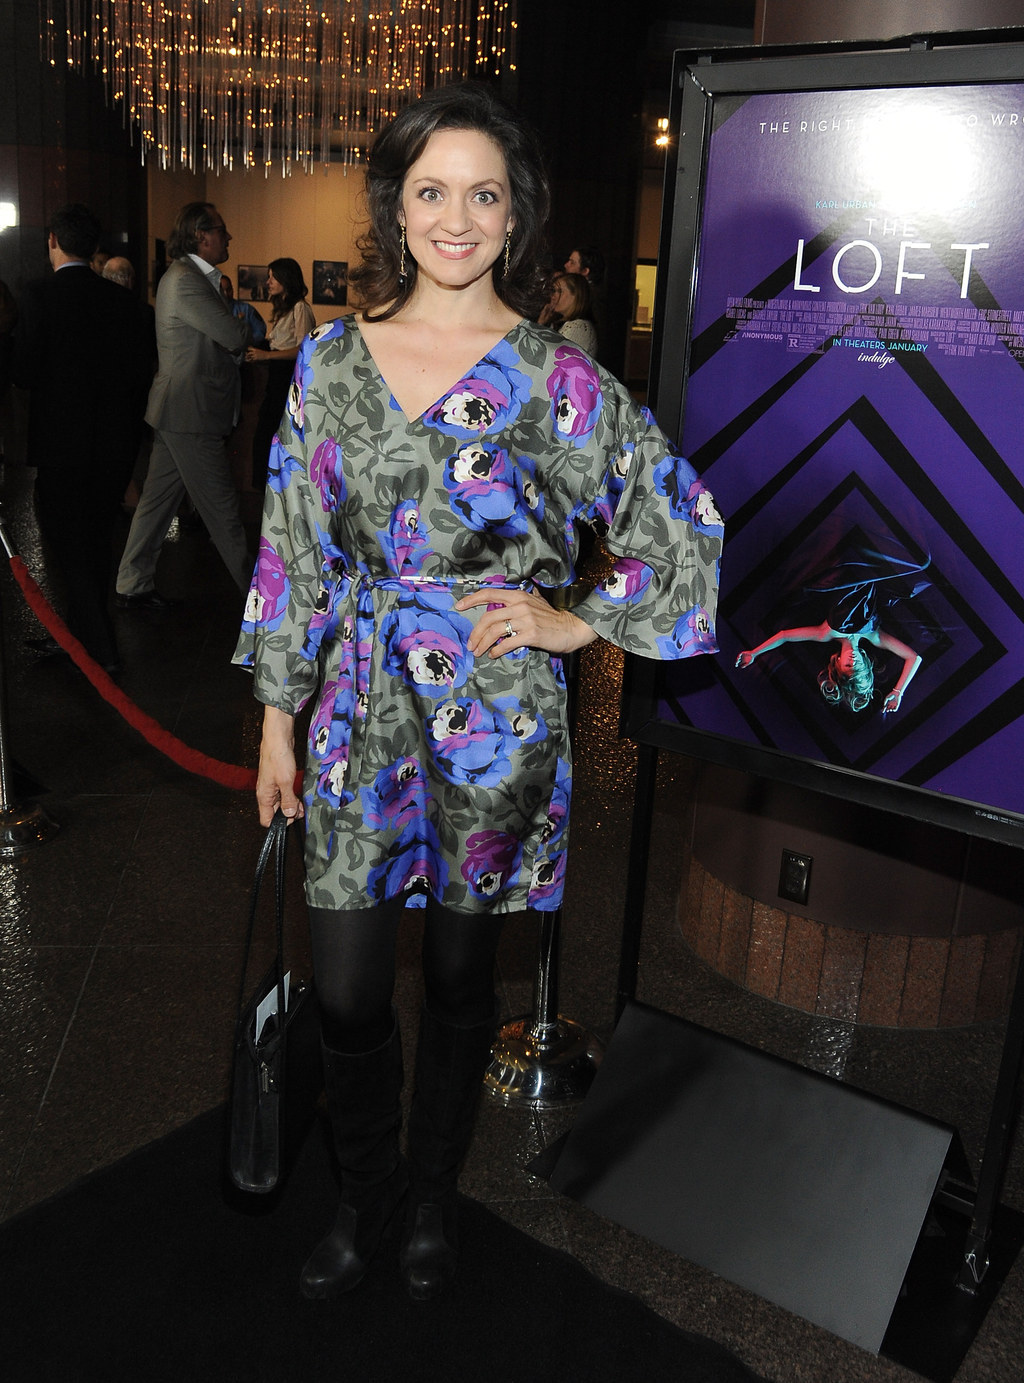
{"type": "Point", "coordinates": [354, 969]}
{"type": "Point", "coordinates": [458, 966]}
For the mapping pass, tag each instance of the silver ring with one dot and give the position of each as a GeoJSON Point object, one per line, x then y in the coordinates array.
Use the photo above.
{"type": "Point", "coordinates": [510, 633]}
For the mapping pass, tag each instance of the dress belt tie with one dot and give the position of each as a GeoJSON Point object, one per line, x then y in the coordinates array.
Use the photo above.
{"type": "Point", "coordinates": [362, 588]}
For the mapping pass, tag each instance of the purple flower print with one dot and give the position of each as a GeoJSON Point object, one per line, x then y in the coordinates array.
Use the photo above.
{"type": "Point", "coordinates": [328, 331]}
{"type": "Point", "coordinates": [575, 392]}
{"type": "Point", "coordinates": [528, 727]}
{"type": "Point", "coordinates": [705, 515]}
{"type": "Point", "coordinates": [472, 744]}
{"type": "Point", "coordinates": [489, 397]}
{"type": "Point", "coordinates": [491, 492]}
{"type": "Point", "coordinates": [329, 734]}
{"type": "Point", "coordinates": [547, 882]}
{"type": "Point", "coordinates": [627, 581]}
{"type": "Point", "coordinates": [297, 390]}
{"type": "Point", "coordinates": [398, 795]}
{"type": "Point", "coordinates": [330, 783]}
{"type": "Point", "coordinates": [281, 468]}
{"type": "Point", "coordinates": [492, 863]}
{"type": "Point", "coordinates": [325, 732]}
{"type": "Point", "coordinates": [333, 555]}
{"type": "Point", "coordinates": [675, 478]}
{"type": "Point", "coordinates": [323, 620]}
{"type": "Point", "coordinates": [413, 865]}
{"type": "Point", "coordinates": [268, 596]}
{"type": "Point", "coordinates": [558, 807]}
{"type": "Point", "coordinates": [326, 473]}
{"type": "Point", "coordinates": [424, 642]}
{"type": "Point", "coordinates": [692, 634]}
{"type": "Point", "coordinates": [601, 511]}
{"type": "Point", "coordinates": [405, 544]}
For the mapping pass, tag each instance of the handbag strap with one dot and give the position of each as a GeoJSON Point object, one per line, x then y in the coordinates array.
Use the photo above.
{"type": "Point", "coordinates": [274, 842]}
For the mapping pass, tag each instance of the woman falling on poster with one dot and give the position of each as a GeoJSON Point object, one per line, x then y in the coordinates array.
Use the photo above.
{"type": "Point", "coordinates": [853, 621]}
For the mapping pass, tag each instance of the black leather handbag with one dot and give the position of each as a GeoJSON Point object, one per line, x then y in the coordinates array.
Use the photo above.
{"type": "Point", "coordinates": [276, 1070]}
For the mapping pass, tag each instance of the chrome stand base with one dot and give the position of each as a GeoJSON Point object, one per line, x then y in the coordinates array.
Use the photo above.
{"type": "Point", "coordinates": [542, 1067]}
{"type": "Point", "coordinates": [23, 827]}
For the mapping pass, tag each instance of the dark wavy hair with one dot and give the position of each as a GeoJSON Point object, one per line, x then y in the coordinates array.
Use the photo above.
{"type": "Point", "coordinates": [591, 258]}
{"type": "Point", "coordinates": [191, 222]}
{"type": "Point", "coordinates": [289, 276]}
{"type": "Point", "coordinates": [467, 106]}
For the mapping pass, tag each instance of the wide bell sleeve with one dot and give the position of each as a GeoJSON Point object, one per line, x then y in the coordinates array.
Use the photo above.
{"type": "Point", "coordinates": [293, 597]}
{"type": "Point", "coordinates": [664, 532]}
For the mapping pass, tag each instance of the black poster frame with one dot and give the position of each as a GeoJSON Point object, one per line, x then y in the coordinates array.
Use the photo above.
{"type": "Point", "coordinates": [699, 79]}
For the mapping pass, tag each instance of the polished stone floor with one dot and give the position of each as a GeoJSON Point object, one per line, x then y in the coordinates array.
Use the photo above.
{"type": "Point", "coordinates": [120, 943]}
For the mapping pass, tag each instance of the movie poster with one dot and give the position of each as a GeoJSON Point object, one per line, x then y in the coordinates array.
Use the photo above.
{"type": "Point", "coordinates": [855, 401]}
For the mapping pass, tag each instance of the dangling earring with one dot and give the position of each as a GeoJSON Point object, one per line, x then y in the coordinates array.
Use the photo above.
{"type": "Point", "coordinates": [508, 245]}
{"type": "Point", "coordinates": [401, 266]}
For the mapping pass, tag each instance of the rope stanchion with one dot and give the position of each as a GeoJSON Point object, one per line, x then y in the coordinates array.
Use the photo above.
{"type": "Point", "coordinates": [192, 760]}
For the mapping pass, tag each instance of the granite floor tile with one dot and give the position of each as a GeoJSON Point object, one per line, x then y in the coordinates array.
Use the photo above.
{"type": "Point", "coordinates": [40, 987]}
{"type": "Point", "coordinates": [61, 892]}
{"type": "Point", "coordinates": [149, 1048]}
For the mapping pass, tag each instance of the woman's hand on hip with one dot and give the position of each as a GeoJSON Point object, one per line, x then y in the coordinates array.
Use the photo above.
{"type": "Point", "coordinates": [522, 619]}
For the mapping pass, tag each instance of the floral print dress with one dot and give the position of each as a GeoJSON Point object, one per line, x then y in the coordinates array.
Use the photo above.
{"type": "Point", "coordinates": [429, 770]}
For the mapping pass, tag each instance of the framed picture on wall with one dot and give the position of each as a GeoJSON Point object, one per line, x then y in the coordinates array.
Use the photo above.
{"type": "Point", "coordinates": [330, 282]}
{"type": "Point", "coordinates": [252, 283]}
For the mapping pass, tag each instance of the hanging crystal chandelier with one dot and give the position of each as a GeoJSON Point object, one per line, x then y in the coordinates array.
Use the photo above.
{"type": "Point", "coordinates": [221, 84]}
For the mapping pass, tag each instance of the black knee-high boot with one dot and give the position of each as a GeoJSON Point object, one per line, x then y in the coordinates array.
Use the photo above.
{"type": "Point", "coordinates": [363, 1101]}
{"type": "Point", "coordinates": [450, 1066]}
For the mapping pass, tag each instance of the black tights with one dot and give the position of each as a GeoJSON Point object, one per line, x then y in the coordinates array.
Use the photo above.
{"type": "Point", "coordinates": [354, 966]}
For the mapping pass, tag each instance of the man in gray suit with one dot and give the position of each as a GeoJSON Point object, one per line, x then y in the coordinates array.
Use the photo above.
{"type": "Point", "coordinates": [193, 405]}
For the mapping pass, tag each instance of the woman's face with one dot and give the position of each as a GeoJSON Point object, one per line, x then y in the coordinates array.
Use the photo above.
{"type": "Point", "coordinates": [273, 287]}
{"type": "Point", "coordinates": [456, 207]}
{"type": "Point", "coordinates": [561, 298]}
{"type": "Point", "coordinates": [847, 658]}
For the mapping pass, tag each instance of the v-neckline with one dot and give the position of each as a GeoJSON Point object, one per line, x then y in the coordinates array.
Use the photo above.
{"type": "Point", "coordinates": [413, 421]}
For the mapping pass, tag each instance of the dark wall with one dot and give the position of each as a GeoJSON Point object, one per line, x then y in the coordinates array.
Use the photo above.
{"type": "Point", "coordinates": [580, 80]}
{"type": "Point", "coordinates": [59, 143]}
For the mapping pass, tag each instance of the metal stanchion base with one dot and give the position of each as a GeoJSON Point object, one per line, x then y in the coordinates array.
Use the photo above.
{"type": "Point", "coordinates": [22, 827]}
{"type": "Point", "coordinates": [542, 1071]}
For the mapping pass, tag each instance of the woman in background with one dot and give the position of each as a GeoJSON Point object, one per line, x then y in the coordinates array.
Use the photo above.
{"type": "Point", "coordinates": [859, 592]}
{"type": "Point", "coordinates": [291, 319]}
{"type": "Point", "coordinates": [568, 312]}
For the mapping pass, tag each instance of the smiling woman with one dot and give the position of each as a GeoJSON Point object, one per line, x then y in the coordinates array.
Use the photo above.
{"type": "Point", "coordinates": [437, 456]}
{"type": "Point", "coordinates": [456, 225]}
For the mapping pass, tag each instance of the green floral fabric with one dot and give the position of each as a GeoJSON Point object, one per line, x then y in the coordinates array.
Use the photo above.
{"type": "Point", "coordinates": [429, 770]}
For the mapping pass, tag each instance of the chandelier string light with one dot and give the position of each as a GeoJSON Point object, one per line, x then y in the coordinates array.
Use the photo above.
{"type": "Point", "coordinates": [219, 84]}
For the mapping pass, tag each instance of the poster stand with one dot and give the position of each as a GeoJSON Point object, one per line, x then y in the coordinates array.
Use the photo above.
{"type": "Point", "coordinates": [839, 339]}
{"type": "Point", "coordinates": [967, 1242]}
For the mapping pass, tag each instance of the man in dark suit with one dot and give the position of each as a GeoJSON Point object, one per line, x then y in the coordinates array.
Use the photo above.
{"type": "Point", "coordinates": [193, 405]}
{"type": "Point", "coordinates": [77, 352]}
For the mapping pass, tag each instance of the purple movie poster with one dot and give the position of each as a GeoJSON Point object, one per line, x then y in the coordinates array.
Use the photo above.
{"type": "Point", "coordinates": [855, 401]}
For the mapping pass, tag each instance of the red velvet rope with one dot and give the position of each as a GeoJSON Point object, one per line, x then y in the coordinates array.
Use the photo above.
{"type": "Point", "coordinates": [228, 775]}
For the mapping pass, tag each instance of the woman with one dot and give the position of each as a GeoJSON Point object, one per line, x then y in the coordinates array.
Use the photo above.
{"type": "Point", "coordinates": [291, 319]}
{"type": "Point", "coordinates": [848, 678]}
{"type": "Point", "coordinates": [568, 311]}
{"type": "Point", "coordinates": [408, 526]}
